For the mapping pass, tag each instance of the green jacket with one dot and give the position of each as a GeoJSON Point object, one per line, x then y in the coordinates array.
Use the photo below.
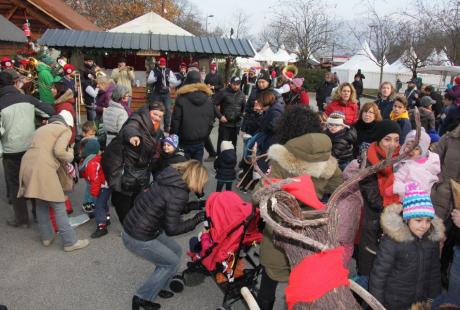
{"type": "Point", "coordinates": [45, 81]}
{"type": "Point", "coordinates": [307, 154]}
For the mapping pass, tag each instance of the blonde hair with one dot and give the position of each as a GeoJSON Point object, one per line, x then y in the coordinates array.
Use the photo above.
{"type": "Point", "coordinates": [194, 174]}
{"type": "Point", "coordinates": [393, 90]}
{"type": "Point", "coordinates": [104, 80]}
{"type": "Point", "coordinates": [338, 91]}
{"type": "Point", "coordinates": [371, 105]}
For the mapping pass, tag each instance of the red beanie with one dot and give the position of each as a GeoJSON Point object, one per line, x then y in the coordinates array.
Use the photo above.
{"type": "Point", "coordinates": [213, 66]}
{"type": "Point", "coordinates": [183, 65]}
{"type": "Point", "coordinates": [162, 61]}
{"type": "Point", "coordinates": [7, 63]}
{"type": "Point", "coordinates": [457, 80]}
{"type": "Point", "coordinates": [69, 68]}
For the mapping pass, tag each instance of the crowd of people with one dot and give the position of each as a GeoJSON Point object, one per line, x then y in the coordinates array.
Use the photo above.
{"type": "Point", "coordinates": [401, 225]}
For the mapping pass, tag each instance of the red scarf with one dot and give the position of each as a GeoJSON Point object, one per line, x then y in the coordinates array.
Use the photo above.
{"type": "Point", "coordinates": [385, 176]}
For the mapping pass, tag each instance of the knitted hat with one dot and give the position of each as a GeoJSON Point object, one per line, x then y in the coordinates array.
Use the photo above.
{"type": "Point", "coordinates": [213, 66]}
{"type": "Point", "coordinates": [6, 63]}
{"type": "Point", "coordinates": [92, 147]}
{"type": "Point", "coordinates": [69, 68]}
{"type": "Point", "coordinates": [426, 101]}
{"type": "Point", "coordinates": [424, 142]}
{"type": "Point", "coordinates": [162, 61]}
{"type": "Point", "coordinates": [119, 91]}
{"type": "Point", "coordinates": [183, 65]}
{"type": "Point", "coordinates": [384, 128]}
{"type": "Point", "coordinates": [226, 145]}
{"type": "Point", "coordinates": [265, 75]}
{"type": "Point", "coordinates": [416, 203]}
{"type": "Point", "coordinates": [192, 77]}
{"type": "Point", "coordinates": [336, 118]}
{"type": "Point", "coordinates": [172, 140]}
{"type": "Point", "coordinates": [298, 82]}
{"type": "Point", "coordinates": [67, 116]}
{"type": "Point", "coordinates": [434, 136]}
{"type": "Point", "coordinates": [457, 80]}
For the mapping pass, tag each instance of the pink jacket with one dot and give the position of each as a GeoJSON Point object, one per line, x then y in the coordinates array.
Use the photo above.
{"type": "Point", "coordinates": [349, 210]}
{"type": "Point", "coordinates": [424, 172]}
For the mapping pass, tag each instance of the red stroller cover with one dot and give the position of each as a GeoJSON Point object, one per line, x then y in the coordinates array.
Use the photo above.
{"type": "Point", "coordinates": [226, 210]}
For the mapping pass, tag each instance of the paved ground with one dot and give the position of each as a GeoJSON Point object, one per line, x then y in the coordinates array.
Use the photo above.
{"type": "Point", "coordinates": [102, 276]}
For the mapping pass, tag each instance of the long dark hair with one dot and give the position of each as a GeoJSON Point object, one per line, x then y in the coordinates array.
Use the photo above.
{"type": "Point", "coordinates": [61, 89]}
{"type": "Point", "coordinates": [295, 122]}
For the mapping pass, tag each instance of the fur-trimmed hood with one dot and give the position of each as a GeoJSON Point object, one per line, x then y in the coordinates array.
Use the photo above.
{"type": "Point", "coordinates": [67, 96]}
{"type": "Point", "coordinates": [307, 154]}
{"type": "Point", "coordinates": [394, 227]}
{"type": "Point", "coordinates": [194, 87]}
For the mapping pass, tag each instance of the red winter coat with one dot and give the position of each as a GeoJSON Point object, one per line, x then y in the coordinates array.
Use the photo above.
{"type": "Point", "coordinates": [94, 174]}
{"type": "Point", "coordinates": [349, 109]}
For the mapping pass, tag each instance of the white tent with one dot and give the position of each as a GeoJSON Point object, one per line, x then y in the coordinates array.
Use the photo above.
{"type": "Point", "coordinates": [265, 54]}
{"type": "Point", "coordinates": [151, 23]}
{"type": "Point", "coordinates": [282, 55]}
{"type": "Point", "coordinates": [294, 58]}
{"type": "Point", "coordinates": [246, 63]}
{"type": "Point", "coordinates": [398, 67]}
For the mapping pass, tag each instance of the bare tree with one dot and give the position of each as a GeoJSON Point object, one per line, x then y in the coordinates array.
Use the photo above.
{"type": "Point", "coordinates": [240, 24]}
{"type": "Point", "coordinates": [304, 26]}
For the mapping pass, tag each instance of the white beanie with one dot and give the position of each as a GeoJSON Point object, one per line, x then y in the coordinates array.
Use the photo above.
{"type": "Point", "coordinates": [226, 145]}
{"type": "Point", "coordinates": [67, 116]}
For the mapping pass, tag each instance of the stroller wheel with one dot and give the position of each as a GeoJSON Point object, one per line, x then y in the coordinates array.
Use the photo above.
{"type": "Point", "coordinates": [177, 284]}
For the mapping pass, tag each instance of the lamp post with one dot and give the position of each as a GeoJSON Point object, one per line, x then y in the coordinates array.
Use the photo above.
{"type": "Point", "coordinates": [207, 22]}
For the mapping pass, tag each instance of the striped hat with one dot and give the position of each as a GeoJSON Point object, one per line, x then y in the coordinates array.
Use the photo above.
{"type": "Point", "coordinates": [336, 118]}
{"type": "Point", "coordinates": [416, 203]}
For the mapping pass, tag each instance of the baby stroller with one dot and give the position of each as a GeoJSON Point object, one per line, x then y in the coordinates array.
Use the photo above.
{"type": "Point", "coordinates": [225, 247]}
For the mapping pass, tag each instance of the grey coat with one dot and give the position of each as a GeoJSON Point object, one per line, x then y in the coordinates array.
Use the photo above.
{"type": "Point", "coordinates": [113, 118]}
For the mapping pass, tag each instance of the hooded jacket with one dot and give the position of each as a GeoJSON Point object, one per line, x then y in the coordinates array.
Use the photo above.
{"type": "Point", "coordinates": [66, 102]}
{"type": "Point", "coordinates": [45, 80]}
{"type": "Point", "coordinates": [160, 208]}
{"type": "Point", "coordinates": [225, 165]}
{"type": "Point", "coordinates": [113, 118]}
{"type": "Point", "coordinates": [407, 269]}
{"type": "Point", "coordinates": [231, 105]}
{"type": "Point", "coordinates": [17, 118]}
{"type": "Point", "coordinates": [193, 114]}
{"type": "Point", "coordinates": [307, 154]}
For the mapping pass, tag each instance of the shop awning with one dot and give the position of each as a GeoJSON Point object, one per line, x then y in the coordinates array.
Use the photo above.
{"type": "Point", "coordinates": [62, 38]}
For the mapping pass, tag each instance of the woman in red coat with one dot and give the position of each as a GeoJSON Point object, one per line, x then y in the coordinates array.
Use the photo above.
{"type": "Point", "coordinates": [64, 100]}
{"type": "Point", "coordinates": [344, 100]}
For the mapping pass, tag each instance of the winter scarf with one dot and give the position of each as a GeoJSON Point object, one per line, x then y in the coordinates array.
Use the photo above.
{"type": "Point", "coordinates": [404, 115]}
{"type": "Point", "coordinates": [385, 176]}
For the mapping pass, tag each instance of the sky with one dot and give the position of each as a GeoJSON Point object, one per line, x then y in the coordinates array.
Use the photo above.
{"type": "Point", "coordinates": [261, 10]}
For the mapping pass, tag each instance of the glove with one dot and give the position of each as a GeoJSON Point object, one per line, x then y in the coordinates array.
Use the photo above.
{"type": "Point", "coordinates": [195, 205]}
{"type": "Point", "coordinates": [199, 217]}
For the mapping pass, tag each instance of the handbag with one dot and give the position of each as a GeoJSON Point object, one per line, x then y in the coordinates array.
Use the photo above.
{"type": "Point", "coordinates": [134, 179]}
{"type": "Point", "coordinates": [455, 193]}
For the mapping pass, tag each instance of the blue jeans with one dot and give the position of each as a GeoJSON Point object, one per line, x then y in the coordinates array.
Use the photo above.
{"type": "Point", "coordinates": [102, 206]}
{"type": "Point", "coordinates": [164, 252]}
{"type": "Point", "coordinates": [44, 224]}
{"type": "Point", "coordinates": [194, 151]}
{"type": "Point", "coordinates": [452, 296]}
{"type": "Point", "coordinates": [167, 103]}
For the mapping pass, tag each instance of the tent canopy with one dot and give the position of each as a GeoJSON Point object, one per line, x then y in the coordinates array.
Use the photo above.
{"type": "Point", "coordinates": [282, 55]}
{"type": "Point", "coordinates": [151, 23]}
{"type": "Point", "coordinates": [364, 59]}
{"type": "Point", "coordinates": [265, 54]}
{"type": "Point", "coordinates": [440, 70]}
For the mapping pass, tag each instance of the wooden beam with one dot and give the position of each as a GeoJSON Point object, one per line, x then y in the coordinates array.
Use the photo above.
{"type": "Point", "coordinates": [11, 12]}
{"type": "Point", "coordinates": [30, 11]}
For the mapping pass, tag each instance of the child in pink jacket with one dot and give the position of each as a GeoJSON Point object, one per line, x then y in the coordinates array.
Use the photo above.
{"type": "Point", "coordinates": [422, 166]}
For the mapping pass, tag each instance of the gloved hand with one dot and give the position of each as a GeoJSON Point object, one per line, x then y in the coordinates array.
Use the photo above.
{"type": "Point", "coordinates": [199, 217]}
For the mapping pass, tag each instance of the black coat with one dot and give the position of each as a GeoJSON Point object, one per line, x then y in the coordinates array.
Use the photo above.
{"type": "Point", "coordinates": [343, 143]}
{"type": "Point", "coordinates": [193, 114]}
{"type": "Point", "coordinates": [412, 96]}
{"type": "Point", "coordinates": [438, 106]}
{"type": "Point", "coordinates": [231, 105]}
{"type": "Point", "coordinates": [407, 269]}
{"type": "Point", "coordinates": [452, 119]}
{"type": "Point", "coordinates": [225, 165]}
{"type": "Point", "coordinates": [358, 85]}
{"type": "Point", "coordinates": [385, 107]}
{"type": "Point", "coordinates": [167, 160]}
{"type": "Point", "coordinates": [365, 135]}
{"type": "Point", "coordinates": [160, 208]}
{"type": "Point", "coordinates": [324, 90]}
{"type": "Point", "coordinates": [214, 79]}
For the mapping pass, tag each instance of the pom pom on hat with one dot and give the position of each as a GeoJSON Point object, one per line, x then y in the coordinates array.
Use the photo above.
{"type": "Point", "coordinates": [69, 68]}
{"type": "Point", "coordinates": [417, 203]}
{"type": "Point", "coordinates": [172, 140]}
{"type": "Point", "coordinates": [226, 145]}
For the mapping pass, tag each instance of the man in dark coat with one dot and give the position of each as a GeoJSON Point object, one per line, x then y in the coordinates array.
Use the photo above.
{"type": "Point", "coordinates": [229, 110]}
{"type": "Point", "coordinates": [213, 79]}
{"type": "Point", "coordinates": [411, 94]}
{"type": "Point", "coordinates": [438, 106]}
{"type": "Point", "coordinates": [135, 149]}
{"type": "Point", "coordinates": [324, 90]}
{"type": "Point", "coordinates": [193, 116]}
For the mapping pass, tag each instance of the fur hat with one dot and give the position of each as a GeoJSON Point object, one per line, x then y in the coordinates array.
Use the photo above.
{"type": "Point", "coordinates": [226, 145]}
{"type": "Point", "coordinates": [67, 116]}
{"type": "Point", "coordinates": [69, 68]}
{"type": "Point", "coordinates": [416, 203]}
{"type": "Point", "coordinates": [119, 91]}
{"type": "Point", "coordinates": [92, 147]}
{"type": "Point", "coordinates": [172, 140]}
{"type": "Point", "coordinates": [424, 142]}
{"type": "Point", "coordinates": [384, 128]}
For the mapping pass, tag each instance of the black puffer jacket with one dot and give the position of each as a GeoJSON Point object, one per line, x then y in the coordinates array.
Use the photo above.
{"type": "Point", "coordinates": [140, 125]}
{"type": "Point", "coordinates": [169, 159]}
{"type": "Point", "coordinates": [160, 208]}
{"type": "Point", "coordinates": [193, 114]}
{"type": "Point", "coordinates": [407, 269]}
{"type": "Point", "coordinates": [231, 105]}
{"type": "Point", "coordinates": [343, 143]}
{"type": "Point", "coordinates": [252, 119]}
{"type": "Point", "coordinates": [225, 165]}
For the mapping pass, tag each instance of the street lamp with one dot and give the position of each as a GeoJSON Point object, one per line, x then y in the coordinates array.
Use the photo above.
{"type": "Point", "coordinates": [207, 22]}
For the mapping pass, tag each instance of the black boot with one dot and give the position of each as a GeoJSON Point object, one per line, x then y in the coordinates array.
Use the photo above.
{"type": "Point", "coordinates": [101, 230]}
{"type": "Point", "coordinates": [139, 303]}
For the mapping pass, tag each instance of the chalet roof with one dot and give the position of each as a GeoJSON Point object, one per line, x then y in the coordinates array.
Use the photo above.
{"type": "Point", "coordinates": [143, 41]}
{"type": "Point", "coordinates": [10, 32]}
